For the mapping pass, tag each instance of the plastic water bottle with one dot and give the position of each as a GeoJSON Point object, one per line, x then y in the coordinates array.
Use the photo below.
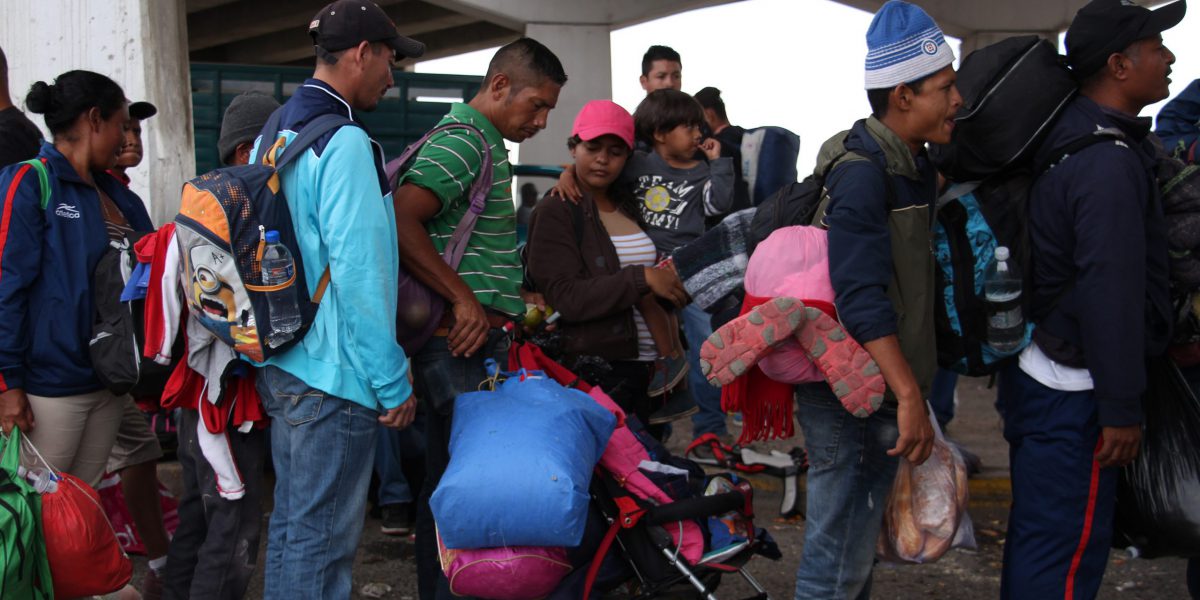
{"type": "Point", "coordinates": [278, 268]}
{"type": "Point", "coordinates": [1002, 293]}
{"type": "Point", "coordinates": [42, 480]}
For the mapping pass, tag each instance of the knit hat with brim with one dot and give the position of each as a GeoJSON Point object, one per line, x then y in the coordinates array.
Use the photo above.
{"type": "Point", "coordinates": [245, 117]}
{"type": "Point", "coordinates": [904, 45]}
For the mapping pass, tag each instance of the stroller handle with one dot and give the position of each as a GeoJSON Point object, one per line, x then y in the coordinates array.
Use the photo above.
{"type": "Point", "coordinates": [696, 508]}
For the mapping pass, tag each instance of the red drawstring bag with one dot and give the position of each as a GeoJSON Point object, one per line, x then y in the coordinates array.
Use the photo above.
{"type": "Point", "coordinates": [85, 558]}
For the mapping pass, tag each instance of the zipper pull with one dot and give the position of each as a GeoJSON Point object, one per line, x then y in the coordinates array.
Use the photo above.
{"type": "Point", "coordinates": [262, 244]}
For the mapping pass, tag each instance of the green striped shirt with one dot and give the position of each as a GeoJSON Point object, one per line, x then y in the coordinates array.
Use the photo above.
{"type": "Point", "coordinates": [446, 166]}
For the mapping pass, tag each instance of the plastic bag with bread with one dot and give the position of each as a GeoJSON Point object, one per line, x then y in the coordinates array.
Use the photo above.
{"type": "Point", "coordinates": [926, 511]}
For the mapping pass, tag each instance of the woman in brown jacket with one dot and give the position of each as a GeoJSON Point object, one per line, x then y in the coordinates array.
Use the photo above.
{"type": "Point", "coordinates": [594, 264]}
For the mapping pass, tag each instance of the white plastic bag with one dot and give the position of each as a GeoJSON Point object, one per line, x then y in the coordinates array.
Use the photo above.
{"type": "Point", "coordinates": [926, 512]}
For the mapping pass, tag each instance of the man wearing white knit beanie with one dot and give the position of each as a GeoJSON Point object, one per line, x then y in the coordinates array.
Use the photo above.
{"type": "Point", "coordinates": [880, 190]}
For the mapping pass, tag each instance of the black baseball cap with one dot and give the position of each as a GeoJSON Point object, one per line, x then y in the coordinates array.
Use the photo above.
{"type": "Point", "coordinates": [142, 110]}
{"type": "Point", "coordinates": [347, 23]}
{"type": "Point", "coordinates": [1103, 27]}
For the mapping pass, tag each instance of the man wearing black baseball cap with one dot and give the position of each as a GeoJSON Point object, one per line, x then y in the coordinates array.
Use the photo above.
{"type": "Point", "coordinates": [132, 151]}
{"type": "Point", "coordinates": [327, 395]}
{"type": "Point", "coordinates": [1071, 404]}
{"type": "Point", "coordinates": [346, 23]}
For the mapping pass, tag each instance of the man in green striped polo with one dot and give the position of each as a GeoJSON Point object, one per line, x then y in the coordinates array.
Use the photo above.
{"type": "Point", "coordinates": [521, 87]}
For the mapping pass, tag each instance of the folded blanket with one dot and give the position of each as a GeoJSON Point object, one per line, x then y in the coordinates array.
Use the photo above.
{"type": "Point", "coordinates": [714, 264]}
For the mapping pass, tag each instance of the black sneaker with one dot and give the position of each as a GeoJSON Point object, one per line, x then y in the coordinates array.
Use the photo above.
{"type": "Point", "coordinates": [395, 519]}
{"type": "Point", "coordinates": [679, 404]}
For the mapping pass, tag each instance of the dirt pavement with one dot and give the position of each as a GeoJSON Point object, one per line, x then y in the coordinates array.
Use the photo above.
{"type": "Point", "coordinates": [965, 574]}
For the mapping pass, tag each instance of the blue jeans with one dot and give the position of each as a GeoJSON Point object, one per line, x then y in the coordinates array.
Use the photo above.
{"type": "Point", "coordinates": [321, 446]}
{"type": "Point", "coordinates": [438, 379]}
{"type": "Point", "coordinates": [941, 397]}
{"type": "Point", "coordinates": [393, 447]}
{"type": "Point", "coordinates": [1060, 524]}
{"type": "Point", "coordinates": [849, 478]}
{"type": "Point", "coordinates": [697, 326]}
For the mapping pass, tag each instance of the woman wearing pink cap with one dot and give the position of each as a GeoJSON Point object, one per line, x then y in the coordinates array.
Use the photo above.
{"type": "Point", "coordinates": [593, 262]}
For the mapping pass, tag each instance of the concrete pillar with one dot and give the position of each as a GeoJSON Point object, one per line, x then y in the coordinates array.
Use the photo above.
{"type": "Point", "coordinates": [585, 54]}
{"type": "Point", "coordinates": [140, 44]}
{"type": "Point", "coordinates": [979, 39]}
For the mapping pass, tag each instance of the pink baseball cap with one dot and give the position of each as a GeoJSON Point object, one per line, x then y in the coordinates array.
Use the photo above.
{"type": "Point", "coordinates": [603, 117]}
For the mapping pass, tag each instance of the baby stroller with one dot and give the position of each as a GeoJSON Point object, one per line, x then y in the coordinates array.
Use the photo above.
{"type": "Point", "coordinates": [659, 527]}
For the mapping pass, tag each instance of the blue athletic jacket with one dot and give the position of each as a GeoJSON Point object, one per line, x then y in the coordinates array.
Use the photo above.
{"type": "Point", "coordinates": [1097, 230]}
{"type": "Point", "coordinates": [46, 264]}
{"type": "Point", "coordinates": [342, 211]}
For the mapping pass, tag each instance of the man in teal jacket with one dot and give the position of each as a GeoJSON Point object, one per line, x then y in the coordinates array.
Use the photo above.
{"type": "Point", "coordinates": [326, 395]}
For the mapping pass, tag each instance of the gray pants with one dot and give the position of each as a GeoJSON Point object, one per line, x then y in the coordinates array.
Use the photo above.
{"type": "Point", "coordinates": [215, 548]}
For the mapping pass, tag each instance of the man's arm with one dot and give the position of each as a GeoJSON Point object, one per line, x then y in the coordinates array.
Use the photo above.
{"type": "Point", "coordinates": [860, 268]}
{"type": "Point", "coordinates": [415, 206]}
{"type": "Point", "coordinates": [719, 197]}
{"type": "Point", "coordinates": [354, 222]}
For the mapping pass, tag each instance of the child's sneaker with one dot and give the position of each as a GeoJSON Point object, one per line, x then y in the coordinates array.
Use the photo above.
{"type": "Point", "coordinates": [668, 372]}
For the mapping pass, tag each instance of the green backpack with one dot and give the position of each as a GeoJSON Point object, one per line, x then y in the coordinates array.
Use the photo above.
{"type": "Point", "coordinates": [24, 567]}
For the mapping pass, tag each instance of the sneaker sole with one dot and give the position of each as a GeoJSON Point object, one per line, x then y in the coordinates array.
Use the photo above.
{"type": "Point", "coordinates": [738, 345]}
{"type": "Point", "coordinates": [653, 420]}
{"type": "Point", "coordinates": [396, 531]}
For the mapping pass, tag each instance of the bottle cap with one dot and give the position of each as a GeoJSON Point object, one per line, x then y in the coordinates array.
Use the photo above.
{"type": "Point", "coordinates": [1001, 251]}
{"type": "Point", "coordinates": [272, 237]}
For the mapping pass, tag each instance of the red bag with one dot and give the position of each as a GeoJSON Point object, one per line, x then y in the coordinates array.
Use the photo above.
{"type": "Point", "coordinates": [85, 558]}
{"type": "Point", "coordinates": [118, 513]}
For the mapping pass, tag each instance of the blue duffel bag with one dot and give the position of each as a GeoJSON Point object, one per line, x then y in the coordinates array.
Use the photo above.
{"type": "Point", "coordinates": [521, 458]}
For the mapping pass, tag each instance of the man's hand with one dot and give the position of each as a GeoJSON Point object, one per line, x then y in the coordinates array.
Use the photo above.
{"type": "Point", "coordinates": [15, 411]}
{"type": "Point", "coordinates": [916, 434]}
{"type": "Point", "coordinates": [402, 416]}
{"type": "Point", "coordinates": [533, 298]}
{"type": "Point", "coordinates": [1119, 445]}
{"type": "Point", "coordinates": [567, 188]}
{"type": "Point", "coordinates": [711, 148]}
{"type": "Point", "coordinates": [665, 284]}
{"type": "Point", "coordinates": [470, 327]}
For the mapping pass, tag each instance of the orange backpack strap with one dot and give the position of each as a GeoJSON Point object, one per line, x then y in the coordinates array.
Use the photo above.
{"type": "Point", "coordinates": [321, 285]}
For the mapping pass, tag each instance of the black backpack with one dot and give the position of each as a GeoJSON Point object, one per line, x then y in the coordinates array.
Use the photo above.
{"type": "Point", "coordinates": [1013, 91]}
{"type": "Point", "coordinates": [118, 329]}
{"type": "Point", "coordinates": [797, 203]}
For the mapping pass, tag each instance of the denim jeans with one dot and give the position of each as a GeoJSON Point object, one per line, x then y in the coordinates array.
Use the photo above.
{"type": "Point", "coordinates": [941, 396]}
{"type": "Point", "coordinates": [697, 326]}
{"type": "Point", "coordinates": [439, 378]}
{"type": "Point", "coordinates": [393, 450]}
{"type": "Point", "coordinates": [849, 478]}
{"type": "Point", "coordinates": [215, 549]}
{"type": "Point", "coordinates": [322, 447]}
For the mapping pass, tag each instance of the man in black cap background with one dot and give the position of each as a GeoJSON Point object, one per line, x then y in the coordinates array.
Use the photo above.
{"type": "Point", "coordinates": [246, 115]}
{"type": "Point", "coordinates": [327, 395]}
{"type": "Point", "coordinates": [1071, 404]}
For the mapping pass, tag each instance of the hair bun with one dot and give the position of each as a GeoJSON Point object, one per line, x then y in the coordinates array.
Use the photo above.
{"type": "Point", "coordinates": [40, 97]}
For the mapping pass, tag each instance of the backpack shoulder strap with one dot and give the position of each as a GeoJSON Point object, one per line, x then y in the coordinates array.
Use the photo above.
{"type": "Point", "coordinates": [1062, 153]}
{"type": "Point", "coordinates": [478, 191]}
{"type": "Point", "coordinates": [43, 175]}
{"type": "Point", "coordinates": [309, 134]}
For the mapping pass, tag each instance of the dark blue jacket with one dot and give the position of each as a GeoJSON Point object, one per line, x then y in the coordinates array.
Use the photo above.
{"type": "Point", "coordinates": [1097, 231]}
{"type": "Point", "coordinates": [1179, 121]}
{"type": "Point", "coordinates": [880, 262]}
{"type": "Point", "coordinates": [46, 264]}
{"type": "Point", "coordinates": [860, 246]}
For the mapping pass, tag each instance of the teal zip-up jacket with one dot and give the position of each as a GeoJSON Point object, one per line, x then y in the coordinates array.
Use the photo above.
{"type": "Point", "coordinates": [342, 211]}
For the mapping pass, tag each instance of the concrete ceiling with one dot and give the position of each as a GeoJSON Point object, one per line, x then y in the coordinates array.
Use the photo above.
{"type": "Point", "coordinates": [272, 32]}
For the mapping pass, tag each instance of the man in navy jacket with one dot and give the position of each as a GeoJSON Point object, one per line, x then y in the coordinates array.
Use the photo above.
{"type": "Point", "coordinates": [1071, 404]}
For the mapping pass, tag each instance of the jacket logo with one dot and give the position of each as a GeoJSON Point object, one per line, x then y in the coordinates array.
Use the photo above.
{"type": "Point", "coordinates": [67, 211]}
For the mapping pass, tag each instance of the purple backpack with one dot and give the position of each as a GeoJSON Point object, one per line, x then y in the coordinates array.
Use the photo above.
{"type": "Point", "coordinates": [419, 309]}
